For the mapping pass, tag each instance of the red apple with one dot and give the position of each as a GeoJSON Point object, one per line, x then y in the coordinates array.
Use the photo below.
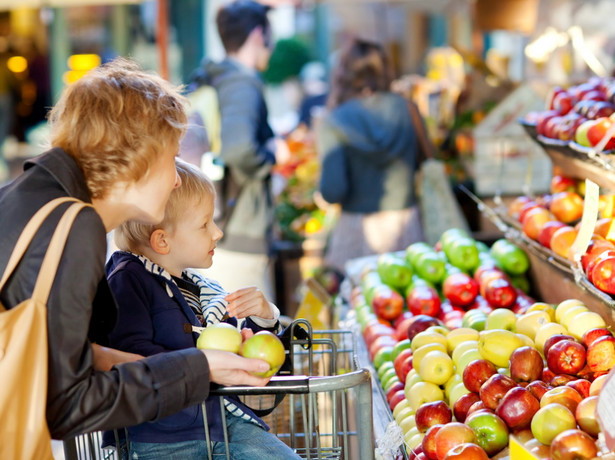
{"type": "Point", "coordinates": [460, 289]}
{"type": "Point", "coordinates": [478, 406]}
{"type": "Point", "coordinates": [463, 404]}
{"type": "Point", "coordinates": [432, 413]}
{"type": "Point", "coordinates": [402, 364]}
{"type": "Point", "coordinates": [596, 132]}
{"type": "Point", "coordinates": [517, 408]}
{"type": "Point", "coordinates": [594, 249]}
{"type": "Point", "coordinates": [514, 208]}
{"type": "Point", "coordinates": [525, 364]}
{"type": "Point", "coordinates": [534, 220]}
{"type": "Point", "coordinates": [547, 231]}
{"type": "Point", "coordinates": [592, 334]}
{"type": "Point", "coordinates": [451, 435]}
{"type": "Point", "coordinates": [561, 183]}
{"type": "Point", "coordinates": [266, 346]}
{"type": "Point", "coordinates": [500, 293]}
{"type": "Point", "coordinates": [387, 303]}
{"type": "Point", "coordinates": [601, 272]}
{"type": "Point", "coordinates": [581, 385]}
{"type": "Point", "coordinates": [394, 388]}
{"type": "Point", "coordinates": [423, 300]}
{"type": "Point", "coordinates": [490, 430]}
{"type": "Point", "coordinates": [543, 119]}
{"type": "Point", "coordinates": [601, 354]}
{"type": "Point", "coordinates": [553, 340]}
{"type": "Point", "coordinates": [563, 395]}
{"type": "Point", "coordinates": [396, 398]}
{"type": "Point", "coordinates": [420, 323]}
{"type": "Point", "coordinates": [566, 357]}
{"type": "Point", "coordinates": [494, 389]}
{"type": "Point", "coordinates": [476, 373]}
{"type": "Point", "coordinates": [466, 451]}
{"type": "Point", "coordinates": [429, 442]}
{"type": "Point", "coordinates": [586, 415]}
{"type": "Point", "coordinates": [567, 207]}
{"type": "Point", "coordinates": [562, 240]}
{"type": "Point", "coordinates": [563, 102]}
{"type": "Point", "coordinates": [561, 380]}
{"type": "Point", "coordinates": [573, 445]}
{"type": "Point", "coordinates": [538, 388]}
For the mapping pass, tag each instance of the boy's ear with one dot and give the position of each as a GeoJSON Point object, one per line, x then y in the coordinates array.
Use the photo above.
{"type": "Point", "coordinates": [158, 242]}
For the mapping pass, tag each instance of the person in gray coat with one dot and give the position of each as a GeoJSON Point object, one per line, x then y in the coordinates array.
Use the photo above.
{"type": "Point", "coordinates": [369, 152]}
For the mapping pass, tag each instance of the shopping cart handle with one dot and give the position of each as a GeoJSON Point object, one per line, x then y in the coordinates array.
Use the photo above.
{"type": "Point", "coordinates": [296, 384]}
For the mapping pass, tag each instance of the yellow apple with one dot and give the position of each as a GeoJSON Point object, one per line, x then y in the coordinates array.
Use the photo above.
{"type": "Point", "coordinates": [407, 423]}
{"type": "Point", "coordinates": [545, 331]}
{"type": "Point", "coordinates": [419, 353]}
{"type": "Point", "coordinates": [564, 306]}
{"type": "Point", "coordinates": [451, 382]}
{"type": "Point", "coordinates": [457, 392]}
{"type": "Point", "coordinates": [424, 338]}
{"type": "Point", "coordinates": [597, 384]}
{"type": "Point", "coordinates": [460, 335]}
{"type": "Point", "coordinates": [529, 323]}
{"type": "Point", "coordinates": [436, 367]}
{"type": "Point", "coordinates": [569, 317]}
{"type": "Point", "coordinates": [526, 340]}
{"type": "Point", "coordinates": [424, 392]}
{"type": "Point", "coordinates": [411, 432]}
{"type": "Point", "coordinates": [501, 318]}
{"type": "Point", "coordinates": [414, 441]}
{"type": "Point", "coordinates": [463, 347]}
{"type": "Point", "coordinates": [442, 330]}
{"type": "Point", "coordinates": [220, 336]}
{"type": "Point", "coordinates": [411, 381]}
{"type": "Point", "coordinates": [403, 412]}
{"type": "Point", "coordinates": [584, 322]}
{"type": "Point", "coordinates": [542, 306]}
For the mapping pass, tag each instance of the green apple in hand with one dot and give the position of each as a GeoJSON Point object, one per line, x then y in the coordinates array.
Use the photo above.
{"type": "Point", "coordinates": [266, 346]}
{"type": "Point", "coordinates": [221, 336]}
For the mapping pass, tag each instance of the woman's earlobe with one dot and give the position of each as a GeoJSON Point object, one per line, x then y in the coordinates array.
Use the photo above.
{"type": "Point", "coordinates": [158, 242]}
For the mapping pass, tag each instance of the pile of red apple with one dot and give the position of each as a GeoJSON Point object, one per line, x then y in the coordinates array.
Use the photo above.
{"type": "Point", "coordinates": [553, 221]}
{"type": "Point", "coordinates": [580, 113]}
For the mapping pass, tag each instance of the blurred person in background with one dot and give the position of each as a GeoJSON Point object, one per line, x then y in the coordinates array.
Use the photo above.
{"type": "Point", "coordinates": [315, 87]}
{"type": "Point", "coordinates": [369, 153]}
{"type": "Point", "coordinates": [248, 146]}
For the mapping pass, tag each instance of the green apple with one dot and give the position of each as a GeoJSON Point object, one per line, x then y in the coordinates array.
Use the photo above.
{"type": "Point", "coordinates": [221, 336]}
{"type": "Point", "coordinates": [268, 347]}
{"type": "Point", "coordinates": [491, 431]}
{"type": "Point", "coordinates": [501, 318]}
{"type": "Point", "coordinates": [510, 257]}
{"type": "Point", "coordinates": [550, 421]}
{"type": "Point", "coordinates": [416, 249]}
{"type": "Point", "coordinates": [399, 347]}
{"type": "Point", "coordinates": [451, 382]}
{"type": "Point", "coordinates": [430, 266]}
{"type": "Point", "coordinates": [436, 367]}
{"type": "Point", "coordinates": [462, 253]}
{"type": "Point", "coordinates": [394, 270]}
{"type": "Point", "coordinates": [385, 354]}
{"type": "Point", "coordinates": [383, 368]}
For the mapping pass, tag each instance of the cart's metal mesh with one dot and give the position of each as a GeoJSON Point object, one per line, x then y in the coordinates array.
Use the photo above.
{"type": "Point", "coordinates": [327, 410]}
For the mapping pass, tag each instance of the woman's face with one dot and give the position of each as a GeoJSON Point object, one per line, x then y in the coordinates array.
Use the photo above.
{"type": "Point", "coordinates": [148, 197]}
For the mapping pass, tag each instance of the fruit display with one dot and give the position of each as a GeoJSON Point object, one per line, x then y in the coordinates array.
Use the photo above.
{"type": "Point", "coordinates": [472, 359]}
{"type": "Point", "coordinates": [553, 220]}
{"type": "Point", "coordinates": [296, 212]}
{"type": "Point", "coordinates": [581, 114]}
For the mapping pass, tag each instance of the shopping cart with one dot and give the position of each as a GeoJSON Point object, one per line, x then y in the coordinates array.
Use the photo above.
{"type": "Point", "coordinates": [327, 409]}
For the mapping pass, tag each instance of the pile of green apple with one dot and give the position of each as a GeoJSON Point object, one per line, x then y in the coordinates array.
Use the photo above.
{"type": "Point", "coordinates": [536, 375]}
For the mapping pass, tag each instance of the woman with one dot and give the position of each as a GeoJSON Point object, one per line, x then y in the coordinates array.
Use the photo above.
{"type": "Point", "coordinates": [369, 156]}
{"type": "Point", "coordinates": [114, 136]}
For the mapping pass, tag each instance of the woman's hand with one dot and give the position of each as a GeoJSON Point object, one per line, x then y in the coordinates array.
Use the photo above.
{"type": "Point", "coordinates": [228, 369]}
{"type": "Point", "coordinates": [248, 301]}
{"type": "Point", "coordinates": [105, 358]}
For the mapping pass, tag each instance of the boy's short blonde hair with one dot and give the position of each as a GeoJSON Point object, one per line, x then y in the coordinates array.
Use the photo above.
{"type": "Point", "coordinates": [195, 187]}
{"type": "Point", "coordinates": [116, 121]}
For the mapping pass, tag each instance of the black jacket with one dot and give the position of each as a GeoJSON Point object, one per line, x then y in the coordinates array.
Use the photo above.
{"type": "Point", "coordinates": [81, 308]}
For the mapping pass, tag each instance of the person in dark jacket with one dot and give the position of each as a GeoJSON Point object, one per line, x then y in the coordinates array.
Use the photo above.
{"type": "Point", "coordinates": [369, 154]}
{"type": "Point", "coordinates": [248, 145]}
{"type": "Point", "coordinates": [114, 136]}
{"type": "Point", "coordinates": [161, 299]}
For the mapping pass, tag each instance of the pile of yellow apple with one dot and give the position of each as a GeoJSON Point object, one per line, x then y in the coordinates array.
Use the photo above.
{"type": "Point", "coordinates": [460, 393]}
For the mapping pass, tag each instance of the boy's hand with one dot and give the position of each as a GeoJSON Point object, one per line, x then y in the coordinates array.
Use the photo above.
{"type": "Point", "coordinates": [248, 301]}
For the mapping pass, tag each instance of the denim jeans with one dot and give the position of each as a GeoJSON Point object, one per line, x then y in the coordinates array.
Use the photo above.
{"type": "Point", "coordinates": [247, 441]}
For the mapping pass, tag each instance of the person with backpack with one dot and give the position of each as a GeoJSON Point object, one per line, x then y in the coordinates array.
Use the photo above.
{"type": "Point", "coordinates": [248, 146]}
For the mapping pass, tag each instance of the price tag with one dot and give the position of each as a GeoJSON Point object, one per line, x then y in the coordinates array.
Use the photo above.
{"type": "Point", "coordinates": [606, 410]}
{"type": "Point", "coordinates": [588, 221]}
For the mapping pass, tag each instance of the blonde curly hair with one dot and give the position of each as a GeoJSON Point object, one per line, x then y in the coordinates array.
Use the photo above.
{"type": "Point", "coordinates": [116, 121]}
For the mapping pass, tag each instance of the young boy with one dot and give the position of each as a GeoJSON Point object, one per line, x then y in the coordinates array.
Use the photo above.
{"type": "Point", "coordinates": [160, 300]}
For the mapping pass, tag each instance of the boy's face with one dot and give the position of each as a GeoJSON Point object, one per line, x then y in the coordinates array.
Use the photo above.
{"type": "Point", "coordinates": [193, 239]}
